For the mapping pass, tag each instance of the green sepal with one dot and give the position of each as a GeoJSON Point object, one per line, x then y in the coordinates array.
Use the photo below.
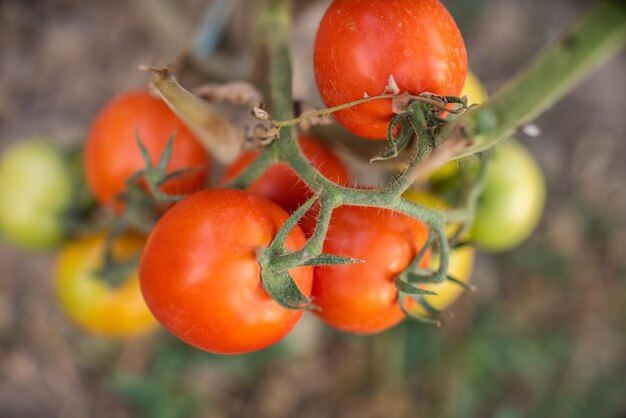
{"type": "Point", "coordinates": [419, 277]}
{"type": "Point", "coordinates": [283, 289]}
{"type": "Point", "coordinates": [420, 254]}
{"type": "Point", "coordinates": [166, 156]}
{"type": "Point", "coordinates": [414, 317]}
{"type": "Point", "coordinates": [331, 260]}
{"type": "Point", "coordinates": [179, 173]}
{"type": "Point", "coordinates": [460, 283]}
{"type": "Point", "coordinates": [157, 176]}
{"type": "Point", "coordinates": [399, 143]}
{"type": "Point", "coordinates": [428, 307]}
{"type": "Point", "coordinates": [281, 236]}
{"type": "Point", "coordinates": [115, 273]}
{"type": "Point", "coordinates": [409, 289]}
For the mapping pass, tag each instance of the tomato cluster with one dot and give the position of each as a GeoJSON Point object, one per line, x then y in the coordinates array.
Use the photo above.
{"type": "Point", "coordinates": [200, 273]}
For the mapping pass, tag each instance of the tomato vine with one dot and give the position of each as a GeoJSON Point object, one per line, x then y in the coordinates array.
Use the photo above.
{"type": "Point", "coordinates": [435, 140]}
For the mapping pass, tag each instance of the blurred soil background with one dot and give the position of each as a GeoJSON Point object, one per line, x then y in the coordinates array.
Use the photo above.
{"type": "Point", "coordinates": [544, 335]}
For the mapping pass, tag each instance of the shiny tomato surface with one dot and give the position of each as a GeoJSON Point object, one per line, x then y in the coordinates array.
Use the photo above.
{"type": "Point", "coordinates": [112, 155]}
{"type": "Point", "coordinates": [361, 43]}
{"type": "Point", "coordinates": [362, 298]}
{"type": "Point", "coordinates": [202, 281]}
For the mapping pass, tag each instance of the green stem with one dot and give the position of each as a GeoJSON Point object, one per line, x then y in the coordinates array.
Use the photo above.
{"type": "Point", "coordinates": [600, 35]}
{"type": "Point", "coordinates": [255, 170]}
{"type": "Point", "coordinates": [314, 245]}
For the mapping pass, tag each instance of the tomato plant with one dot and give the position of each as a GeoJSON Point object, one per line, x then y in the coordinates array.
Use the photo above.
{"type": "Point", "coordinates": [361, 43]}
{"type": "Point", "coordinates": [201, 279]}
{"type": "Point", "coordinates": [460, 267]}
{"type": "Point", "coordinates": [91, 302]}
{"type": "Point", "coordinates": [281, 184]}
{"type": "Point", "coordinates": [35, 193]}
{"type": "Point", "coordinates": [112, 155]}
{"type": "Point", "coordinates": [362, 298]}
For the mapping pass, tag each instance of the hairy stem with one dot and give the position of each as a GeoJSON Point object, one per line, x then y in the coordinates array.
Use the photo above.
{"type": "Point", "coordinates": [597, 37]}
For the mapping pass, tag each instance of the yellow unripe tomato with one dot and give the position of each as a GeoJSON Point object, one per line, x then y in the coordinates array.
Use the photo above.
{"type": "Point", "coordinates": [92, 303]}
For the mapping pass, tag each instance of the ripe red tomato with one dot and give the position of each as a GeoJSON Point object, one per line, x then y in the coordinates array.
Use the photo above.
{"type": "Point", "coordinates": [200, 277]}
{"type": "Point", "coordinates": [362, 298]}
{"type": "Point", "coordinates": [281, 185]}
{"type": "Point", "coordinates": [360, 43]}
{"type": "Point", "coordinates": [112, 154]}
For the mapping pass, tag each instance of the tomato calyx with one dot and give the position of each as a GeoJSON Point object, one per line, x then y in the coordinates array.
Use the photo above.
{"type": "Point", "coordinates": [276, 260]}
{"type": "Point", "coordinates": [142, 202]}
{"type": "Point", "coordinates": [420, 117]}
{"type": "Point", "coordinates": [141, 210]}
{"type": "Point", "coordinates": [115, 272]}
{"type": "Point", "coordinates": [407, 284]}
{"type": "Point", "coordinates": [157, 176]}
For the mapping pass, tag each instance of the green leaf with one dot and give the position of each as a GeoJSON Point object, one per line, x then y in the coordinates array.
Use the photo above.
{"type": "Point", "coordinates": [283, 289]}
{"type": "Point", "coordinates": [331, 260]}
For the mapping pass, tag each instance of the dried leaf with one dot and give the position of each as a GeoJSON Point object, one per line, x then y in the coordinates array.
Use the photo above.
{"type": "Point", "coordinates": [261, 114]}
{"type": "Point", "coordinates": [400, 103]}
{"type": "Point", "coordinates": [215, 132]}
{"type": "Point", "coordinates": [392, 86]}
{"type": "Point", "coordinates": [237, 92]}
{"type": "Point", "coordinates": [315, 120]}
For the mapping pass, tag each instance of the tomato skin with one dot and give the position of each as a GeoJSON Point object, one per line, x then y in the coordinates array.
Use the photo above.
{"type": "Point", "coordinates": [360, 43]}
{"type": "Point", "coordinates": [513, 199]}
{"type": "Point", "coordinates": [200, 277]}
{"type": "Point", "coordinates": [35, 192]}
{"type": "Point", "coordinates": [112, 155]}
{"type": "Point", "coordinates": [461, 261]}
{"type": "Point", "coordinates": [97, 308]}
{"type": "Point", "coordinates": [281, 185]}
{"type": "Point", "coordinates": [362, 298]}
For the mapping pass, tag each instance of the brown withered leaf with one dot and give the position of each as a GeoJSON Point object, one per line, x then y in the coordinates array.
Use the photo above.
{"type": "Point", "coordinates": [261, 114]}
{"type": "Point", "coordinates": [239, 93]}
{"type": "Point", "coordinates": [400, 103]}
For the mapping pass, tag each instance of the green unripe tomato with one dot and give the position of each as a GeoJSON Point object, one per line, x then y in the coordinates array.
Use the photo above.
{"type": "Point", "coordinates": [514, 194]}
{"type": "Point", "coordinates": [513, 199]}
{"type": "Point", "coordinates": [35, 191]}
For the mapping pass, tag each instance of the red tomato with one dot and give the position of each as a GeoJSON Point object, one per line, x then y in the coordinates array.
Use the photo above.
{"type": "Point", "coordinates": [360, 43]}
{"type": "Point", "coordinates": [200, 277]}
{"type": "Point", "coordinates": [112, 154]}
{"type": "Point", "coordinates": [362, 298]}
{"type": "Point", "coordinates": [280, 183]}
